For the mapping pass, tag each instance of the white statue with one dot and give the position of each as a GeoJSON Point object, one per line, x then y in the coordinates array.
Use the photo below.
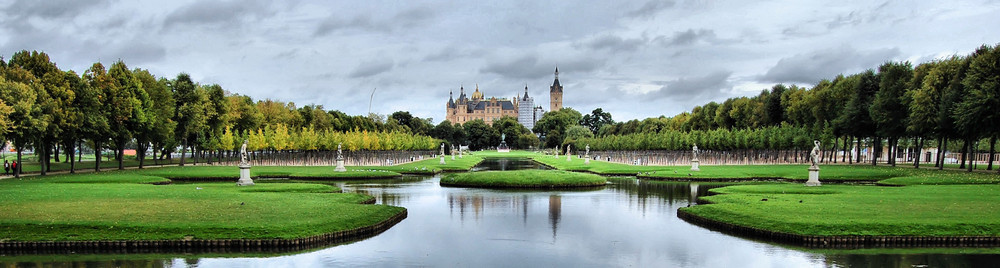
{"type": "Point", "coordinates": [814, 155]}
{"type": "Point", "coordinates": [694, 151]}
{"type": "Point", "coordinates": [588, 149]}
{"type": "Point", "coordinates": [340, 153]}
{"type": "Point", "coordinates": [442, 149]}
{"type": "Point", "coordinates": [244, 157]}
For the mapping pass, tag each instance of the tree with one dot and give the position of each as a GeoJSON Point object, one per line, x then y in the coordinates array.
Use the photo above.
{"type": "Point", "coordinates": [553, 124]}
{"type": "Point", "coordinates": [512, 130]}
{"type": "Point", "coordinates": [24, 124]}
{"type": "Point", "coordinates": [576, 133]}
{"type": "Point", "coordinates": [856, 119]}
{"type": "Point", "coordinates": [54, 101]}
{"type": "Point", "coordinates": [190, 112]}
{"type": "Point", "coordinates": [976, 116]}
{"type": "Point", "coordinates": [159, 125]}
{"type": "Point", "coordinates": [130, 108]}
{"type": "Point", "coordinates": [94, 100]}
{"type": "Point", "coordinates": [922, 109]}
{"type": "Point", "coordinates": [774, 109]}
{"type": "Point", "coordinates": [481, 135]}
{"type": "Point", "coordinates": [597, 119]}
{"type": "Point", "coordinates": [889, 107]}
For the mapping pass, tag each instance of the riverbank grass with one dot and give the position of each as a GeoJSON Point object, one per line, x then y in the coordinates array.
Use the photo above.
{"type": "Point", "coordinates": [126, 205]}
{"type": "Point", "coordinates": [291, 172]}
{"type": "Point", "coordinates": [847, 210]}
{"type": "Point", "coordinates": [523, 179]}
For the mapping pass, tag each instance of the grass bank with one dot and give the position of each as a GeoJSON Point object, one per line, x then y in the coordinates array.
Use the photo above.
{"type": "Point", "coordinates": [291, 172]}
{"type": "Point", "coordinates": [523, 179]}
{"type": "Point", "coordinates": [851, 210]}
{"type": "Point", "coordinates": [125, 205]}
{"type": "Point", "coordinates": [433, 165]}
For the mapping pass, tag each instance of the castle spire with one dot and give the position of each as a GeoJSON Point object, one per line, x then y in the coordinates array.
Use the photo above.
{"type": "Point", "coordinates": [557, 72]}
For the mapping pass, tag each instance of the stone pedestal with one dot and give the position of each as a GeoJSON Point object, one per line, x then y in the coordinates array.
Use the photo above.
{"type": "Point", "coordinates": [813, 176]}
{"type": "Point", "coordinates": [453, 157]}
{"type": "Point", "coordinates": [586, 160]}
{"type": "Point", "coordinates": [340, 166]}
{"type": "Point", "coordinates": [694, 165]}
{"type": "Point", "coordinates": [244, 176]}
{"type": "Point", "coordinates": [442, 160]}
{"type": "Point", "coordinates": [569, 157]}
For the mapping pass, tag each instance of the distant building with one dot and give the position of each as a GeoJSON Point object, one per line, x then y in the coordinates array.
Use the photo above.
{"type": "Point", "coordinates": [465, 108]}
{"type": "Point", "coordinates": [526, 110]}
{"type": "Point", "coordinates": [555, 94]}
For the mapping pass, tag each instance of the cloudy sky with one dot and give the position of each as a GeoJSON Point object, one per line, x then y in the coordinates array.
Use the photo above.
{"type": "Point", "coordinates": [635, 59]}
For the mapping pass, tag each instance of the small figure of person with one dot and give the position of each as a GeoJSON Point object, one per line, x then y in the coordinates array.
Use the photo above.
{"type": "Point", "coordinates": [6, 167]}
{"type": "Point", "coordinates": [13, 168]}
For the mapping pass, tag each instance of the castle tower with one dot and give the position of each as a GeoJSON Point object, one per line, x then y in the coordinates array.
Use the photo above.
{"type": "Point", "coordinates": [525, 106]}
{"type": "Point", "coordinates": [555, 94]}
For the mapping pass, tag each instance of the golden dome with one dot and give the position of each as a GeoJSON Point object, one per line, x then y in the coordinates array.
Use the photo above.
{"type": "Point", "coordinates": [477, 95]}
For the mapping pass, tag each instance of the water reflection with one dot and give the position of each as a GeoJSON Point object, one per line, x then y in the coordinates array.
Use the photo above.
{"type": "Point", "coordinates": [627, 223]}
{"type": "Point", "coordinates": [508, 164]}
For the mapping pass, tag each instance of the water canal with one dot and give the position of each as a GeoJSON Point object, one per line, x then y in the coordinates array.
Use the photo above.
{"type": "Point", "coordinates": [627, 223]}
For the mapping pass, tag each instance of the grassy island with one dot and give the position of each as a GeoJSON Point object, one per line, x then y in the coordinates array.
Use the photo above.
{"type": "Point", "coordinates": [129, 206]}
{"type": "Point", "coordinates": [523, 179]}
{"type": "Point", "coordinates": [929, 204]}
{"type": "Point", "coordinates": [196, 173]}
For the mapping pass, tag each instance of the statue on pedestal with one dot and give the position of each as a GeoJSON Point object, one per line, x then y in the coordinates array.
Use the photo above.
{"type": "Point", "coordinates": [442, 154]}
{"type": "Point", "coordinates": [814, 168]}
{"type": "Point", "coordinates": [245, 179]}
{"type": "Point", "coordinates": [586, 156]}
{"type": "Point", "coordinates": [340, 159]}
{"type": "Point", "coordinates": [694, 159]}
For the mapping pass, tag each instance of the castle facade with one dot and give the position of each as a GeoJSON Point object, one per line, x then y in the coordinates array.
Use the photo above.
{"type": "Point", "coordinates": [466, 108]}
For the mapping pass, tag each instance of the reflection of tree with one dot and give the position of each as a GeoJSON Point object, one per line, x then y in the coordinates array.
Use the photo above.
{"type": "Point", "coordinates": [640, 191]}
{"type": "Point", "coordinates": [555, 211]}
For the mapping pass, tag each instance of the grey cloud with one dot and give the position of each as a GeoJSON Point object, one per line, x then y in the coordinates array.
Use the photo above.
{"type": "Point", "coordinates": [613, 43]}
{"type": "Point", "coordinates": [689, 37]}
{"type": "Point", "coordinates": [531, 67]}
{"type": "Point", "coordinates": [136, 53]}
{"type": "Point", "coordinates": [217, 12]}
{"type": "Point", "coordinates": [371, 68]}
{"type": "Point", "coordinates": [813, 66]}
{"type": "Point", "coordinates": [49, 9]}
{"type": "Point", "coordinates": [684, 88]}
{"type": "Point", "coordinates": [405, 19]}
{"type": "Point", "coordinates": [451, 53]}
{"type": "Point", "coordinates": [650, 9]}
{"type": "Point", "coordinates": [525, 67]}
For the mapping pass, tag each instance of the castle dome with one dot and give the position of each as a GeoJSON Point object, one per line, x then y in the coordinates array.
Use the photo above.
{"type": "Point", "coordinates": [477, 95]}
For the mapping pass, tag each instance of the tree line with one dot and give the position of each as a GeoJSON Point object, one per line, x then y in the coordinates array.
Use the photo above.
{"type": "Point", "coordinates": [51, 110]}
{"type": "Point", "coordinates": [943, 103]}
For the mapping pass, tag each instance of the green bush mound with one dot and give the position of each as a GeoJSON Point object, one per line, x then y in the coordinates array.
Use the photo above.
{"type": "Point", "coordinates": [920, 210]}
{"type": "Point", "coordinates": [125, 205]}
{"type": "Point", "coordinates": [523, 179]}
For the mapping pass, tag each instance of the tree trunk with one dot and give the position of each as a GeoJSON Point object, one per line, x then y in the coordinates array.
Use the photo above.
{"type": "Point", "coordinates": [943, 147]}
{"type": "Point", "coordinates": [121, 155]}
{"type": "Point", "coordinates": [69, 156]}
{"type": "Point", "coordinates": [17, 171]}
{"type": "Point", "coordinates": [965, 150]}
{"type": "Point", "coordinates": [993, 143]}
{"type": "Point", "coordinates": [183, 150]}
{"type": "Point", "coordinates": [44, 150]}
{"type": "Point", "coordinates": [55, 153]}
{"type": "Point", "coordinates": [79, 156]}
{"type": "Point", "coordinates": [893, 150]}
{"type": "Point", "coordinates": [97, 153]}
{"type": "Point", "coordinates": [876, 150]}
{"type": "Point", "coordinates": [858, 150]}
{"type": "Point", "coordinates": [920, 146]}
{"type": "Point", "coordinates": [971, 157]}
{"type": "Point", "coordinates": [140, 152]}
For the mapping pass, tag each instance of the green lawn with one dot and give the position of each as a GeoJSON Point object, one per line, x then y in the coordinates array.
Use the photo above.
{"type": "Point", "coordinates": [433, 165]}
{"type": "Point", "coordinates": [923, 210]}
{"type": "Point", "coordinates": [124, 205]}
{"type": "Point", "coordinates": [204, 172]}
{"type": "Point", "coordinates": [523, 179]}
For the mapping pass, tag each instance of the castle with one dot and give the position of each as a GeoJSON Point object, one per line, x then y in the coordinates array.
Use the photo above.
{"type": "Point", "coordinates": [466, 109]}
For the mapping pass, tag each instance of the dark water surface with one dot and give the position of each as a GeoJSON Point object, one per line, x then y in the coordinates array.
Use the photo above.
{"type": "Point", "coordinates": [627, 223]}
